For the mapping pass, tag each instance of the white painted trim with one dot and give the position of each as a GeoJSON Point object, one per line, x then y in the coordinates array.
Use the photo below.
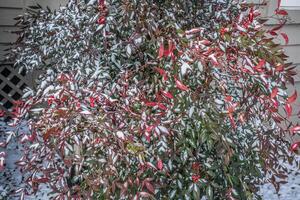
{"type": "Point", "coordinates": [290, 4]}
{"type": "Point", "coordinates": [290, 7]}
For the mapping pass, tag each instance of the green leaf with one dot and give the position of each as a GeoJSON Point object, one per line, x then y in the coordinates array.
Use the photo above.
{"type": "Point", "coordinates": [209, 193]}
{"type": "Point", "coordinates": [196, 192]}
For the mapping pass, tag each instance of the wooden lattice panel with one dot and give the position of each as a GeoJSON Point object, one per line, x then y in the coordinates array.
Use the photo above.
{"type": "Point", "coordinates": [12, 84]}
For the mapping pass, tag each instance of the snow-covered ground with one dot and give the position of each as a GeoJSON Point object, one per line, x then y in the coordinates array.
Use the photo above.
{"type": "Point", "coordinates": [11, 178]}
{"type": "Point", "coordinates": [289, 191]}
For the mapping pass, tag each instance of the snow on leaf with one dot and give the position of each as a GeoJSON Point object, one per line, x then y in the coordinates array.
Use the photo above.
{"type": "Point", "coordinates": [146, 195]}
{"type": "Point", "coordinates": [128, 50]}
{"type": "Point", "coordinates": [184, 68]}
{"type": "Point", "coordinates": [2, 160]}
{"type": "Point", "coordinates": [85, 112]}
{"type": "Point", "coordinates": [181, 86]}
{"type": "Point", "coordinates": [151, 165]}
{"type": "Point", "coordinates": [167, 94]}
{"type": "Point", "coordinates": [200, 66]}
{"type": "Point", "coordinates": [295, 129]}
{"type": "Point", "coordinates": [48, 89]}
{"type": "Point", "coordinates": [27, 94]}
{"type": "Point", "coordinates": [120, 135]}
{"type": "Point", "coordinates": [163, 129]}
{"type": "Point", "coordinates": [295, 146]}
{"type": "Point", "coordinates": [213, 59]}
{"type": "Point", "coordinates": [193, 31]}
{"type": "Point", "coordinates": [191, 111]}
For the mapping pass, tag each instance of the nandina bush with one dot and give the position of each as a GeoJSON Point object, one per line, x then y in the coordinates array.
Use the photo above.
{"type": "Point", "coordinates": [154, 100]}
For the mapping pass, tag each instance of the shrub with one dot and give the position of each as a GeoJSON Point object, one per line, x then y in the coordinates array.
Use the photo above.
{"type": "Point", "coordinates": [154, 99]}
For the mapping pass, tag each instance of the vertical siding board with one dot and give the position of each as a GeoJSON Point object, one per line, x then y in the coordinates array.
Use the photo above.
{"type": "Point", "coordinates": [3, 47]}
{"type": "Point", "coordinates": [6, 35]}
{"type": "Point", "coordinates": [293, 51]}
{"type": "Point", "coordinates": [7, 16]}
{"type": "Point", "coordinates": [292, 29]}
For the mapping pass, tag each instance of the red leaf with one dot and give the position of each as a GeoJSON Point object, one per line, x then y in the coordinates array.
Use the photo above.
{"type": "Point", "coordinates": [171, 47]}
{"type": "Point", "coordinates": [279, 68]}
{"type": "Point", "coordinates": [274, 93]}
{"type": "Point", "coordinates": [101, 2]}
{"type": "Point", "coordinates": [288, 109]}
{"type": "Point", "coordinates": [162, 73]}
{"type": "Point", "coordinates": [242, 118]}
{"type": "Point", "coordinates": [151, 104]}
{"type": "Point", "coordinates": [3, 144]}
{"type": "Point", "coordinates": [232, 122]}
{"type": "Point", "coordinates": [259, 66]}
{"type": "Point", "coordinates": [160, 164]}
{"type": "Point", "coordinates": [149, 129]}
{"type": "Point", "coordinates": [295, 129]}
{"type": "Point", "coordinates": [277, 27]}
{"type": "Point", "coordinates": [295, 146]}
{"type": "Point", "coordinates": [161, 106]}
{"type": "Point", "coordinates": [196, 166]}
{"type": "Point", "coordinates": [195, 178]}
{"type": "Point", "coordinates": [101, 20]}
{"type": "Point", "coordinates": [251, 15]}
{"type": "Point", "coordinates": [161, 51]}
{"type": "Point", "coordinates": [278, 4]}
{"type": "Point", "coordinates": [181, 86]}
{"type": "Point", "coordinates": [92, 102]}
{"type": "Point", "coordinates": [213, 59]}
{"type": "Point", "coordinates": [277, 118]}
{"type": "Point", "coordinates": [275, 103]}
{"type": "Point", "coordinates": [281, 12]}
{"type": "Point", "coordinates": [2, 113]}
{"type": "Point", "coordinates": [41, 180]}
{"type": "Point", "coordinates": [150, 187]}
{"type": "Point", "coordinates": [230, 109]}
{"type": "Point", "coordinates": [167, 94]}
{"type": "Point", "coordinates": [228, 98]}
{"type": "Point", "coordinates": [207, 42]}
{"type": "Point", "coordinates": [292, 98]}
{"type": "Point", "coordinates": [273, 33]}
{"type": "Point", "coordinates": [285, 37]}
{"type": "Point", "coordinates": [50, 99]}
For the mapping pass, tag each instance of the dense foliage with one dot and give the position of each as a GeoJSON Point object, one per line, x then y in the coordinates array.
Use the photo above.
{"type": "Point", "coordinates": [153, 100]}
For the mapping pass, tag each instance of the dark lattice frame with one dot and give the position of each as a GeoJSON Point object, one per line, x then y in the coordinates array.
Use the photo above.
{"type": "Point", "coordinates": [12, 85]}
